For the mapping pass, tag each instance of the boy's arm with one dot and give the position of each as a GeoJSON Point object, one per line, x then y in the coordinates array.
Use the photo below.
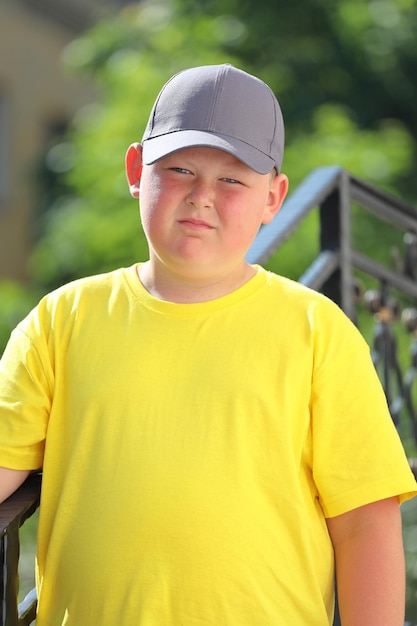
{"type": "Point", "coordinates": [370, 569]}
{"type": "Point", "coordinates": [10, 480]}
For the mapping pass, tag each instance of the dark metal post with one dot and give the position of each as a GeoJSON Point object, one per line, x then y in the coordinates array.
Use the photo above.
{"type": "Point", "coordinates": [13, 513]}
{"type": "Point", "coordinates": [330, 240]}
{"type": "Point", "coordinates": [335, 235]}
{"type": "Point", "coordinates": [9, 551]}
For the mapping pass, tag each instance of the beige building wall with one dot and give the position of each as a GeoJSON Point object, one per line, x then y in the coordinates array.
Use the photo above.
{"type": "Point", "coordinates": [35, 92]}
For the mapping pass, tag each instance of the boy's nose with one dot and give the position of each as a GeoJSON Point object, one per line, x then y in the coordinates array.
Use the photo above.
{"type": "Point", "coordinates": [201, 195]}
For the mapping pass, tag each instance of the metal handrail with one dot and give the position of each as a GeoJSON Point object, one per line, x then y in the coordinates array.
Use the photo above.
{"type": "Point", "coordinates": [333, 190]}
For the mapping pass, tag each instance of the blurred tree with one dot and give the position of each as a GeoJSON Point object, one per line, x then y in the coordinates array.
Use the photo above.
{"type": "Point", "coordinates": [16, 301]}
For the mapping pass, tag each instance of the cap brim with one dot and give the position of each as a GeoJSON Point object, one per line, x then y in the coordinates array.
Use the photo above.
{"type": "Point", "coordinates": [157, 148]}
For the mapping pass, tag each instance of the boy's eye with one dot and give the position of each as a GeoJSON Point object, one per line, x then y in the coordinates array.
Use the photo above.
{"type": "Point", "coordinates": [180, 170]}
{"type": "Point", "coordinates": [233, 181]}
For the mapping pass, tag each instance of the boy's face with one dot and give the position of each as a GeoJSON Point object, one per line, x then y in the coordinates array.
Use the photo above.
{"type": "Point", "coordinates": [201, 209]}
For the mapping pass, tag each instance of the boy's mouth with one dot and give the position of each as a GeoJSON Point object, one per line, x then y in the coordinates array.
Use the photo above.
{"type": "Point", "coordinates": [194, 224]}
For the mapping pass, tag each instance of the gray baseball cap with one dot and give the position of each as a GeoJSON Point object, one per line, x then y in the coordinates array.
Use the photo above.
{"type": "Point", "coordinates": [217, 106]}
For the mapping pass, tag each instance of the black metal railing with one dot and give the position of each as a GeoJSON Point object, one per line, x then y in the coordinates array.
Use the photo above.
{"type": "Point", "coordinates": [338, 270]}
{"type": "Point", "coordinates": [13, 513]}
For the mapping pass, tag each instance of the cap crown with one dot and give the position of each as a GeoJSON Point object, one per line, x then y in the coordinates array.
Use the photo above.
{"type": "Point", "coordinates": [218, 106]}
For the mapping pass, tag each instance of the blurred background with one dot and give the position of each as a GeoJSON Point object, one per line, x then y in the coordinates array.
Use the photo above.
{"type": "Point", "coordinates": [78, 79]}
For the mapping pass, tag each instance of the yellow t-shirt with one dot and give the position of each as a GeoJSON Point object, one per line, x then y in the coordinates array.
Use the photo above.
{"type": "Point", "coordinates": [192, 451]}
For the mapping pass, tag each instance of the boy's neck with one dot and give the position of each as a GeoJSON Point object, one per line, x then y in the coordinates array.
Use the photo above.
{"type": "Point", "coordinates": [183, 291]}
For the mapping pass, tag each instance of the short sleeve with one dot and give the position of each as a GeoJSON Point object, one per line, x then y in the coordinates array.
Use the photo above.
{"type": "Point", "coordinates": [358, 455]}
{"type": "Point", "coordinates": [25, 397]}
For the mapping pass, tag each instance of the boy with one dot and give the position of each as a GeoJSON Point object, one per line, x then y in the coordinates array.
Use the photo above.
{"type": "Point", "coordinates": [211, 434]}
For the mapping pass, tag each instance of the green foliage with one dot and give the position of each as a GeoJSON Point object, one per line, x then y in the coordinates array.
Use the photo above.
{"type": "Point", "coordinates": [16, 302]}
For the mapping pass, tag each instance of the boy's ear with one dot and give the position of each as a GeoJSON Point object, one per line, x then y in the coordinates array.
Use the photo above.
{"type": "Point", "coordinates": [133, 164]}
{"type": "Point", "coordinates": [277, 192]}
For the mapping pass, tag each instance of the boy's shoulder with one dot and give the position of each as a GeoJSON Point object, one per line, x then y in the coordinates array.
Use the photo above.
{"type": "Point", "coordinates": [88, 294]}
{"type": "Point", "coordinates": [296, 293]}
{"type": "Point", "coordinates": [300, 306]}
{"type": "Point", "coordinates": [91, 286]}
